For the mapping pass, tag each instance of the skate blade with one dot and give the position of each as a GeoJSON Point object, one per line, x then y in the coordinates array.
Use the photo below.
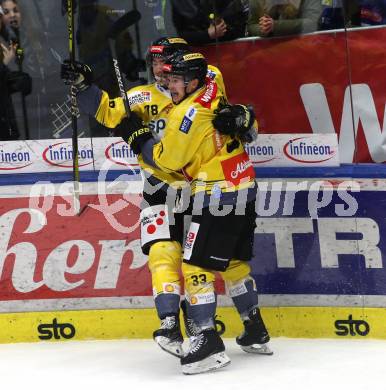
{"type": "Point", "coordinates": [211, 363]}
{"type": "Point", "coordinates": [260, 349]}
{"type": "Point", "coordinates": [173, 348]}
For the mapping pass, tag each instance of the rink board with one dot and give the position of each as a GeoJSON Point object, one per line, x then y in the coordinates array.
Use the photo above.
{"type": "Point", "coordinates": [303, 322]}
{"type": "Point", "coordinates": [319, 263]}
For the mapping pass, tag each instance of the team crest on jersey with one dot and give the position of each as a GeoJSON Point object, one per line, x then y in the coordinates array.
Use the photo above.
{"type": "Point", "coordinates": [139, 98]}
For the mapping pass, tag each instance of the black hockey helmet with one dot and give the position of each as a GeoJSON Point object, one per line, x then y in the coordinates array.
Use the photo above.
{"type": "Point", "coordinates": [164, 47]}
{"type": "Point", "coordinates": [189, 65]}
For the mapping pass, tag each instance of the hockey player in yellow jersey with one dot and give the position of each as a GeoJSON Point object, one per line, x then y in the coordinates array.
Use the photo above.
{"type": "Point", "coordinates": [223, 186]}
{"type": "Point", "coordinates": [152, 103]}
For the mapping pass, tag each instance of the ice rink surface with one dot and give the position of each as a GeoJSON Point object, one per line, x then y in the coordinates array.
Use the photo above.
{"type": "Point", "coordinates": [139, 364]}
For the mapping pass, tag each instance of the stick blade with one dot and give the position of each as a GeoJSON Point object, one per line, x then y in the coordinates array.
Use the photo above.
{"type": "Point", "coordinates": [125, 21]}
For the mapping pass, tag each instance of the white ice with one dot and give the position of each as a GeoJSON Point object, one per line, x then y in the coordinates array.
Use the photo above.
{"type": "Point", "coordinates": [139, 364]}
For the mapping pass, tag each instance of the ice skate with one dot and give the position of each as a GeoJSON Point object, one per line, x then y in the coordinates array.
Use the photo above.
{"type": "Point", "coordinates": [169, 336]}
{"type": "Point", "coordinates": [206, 353]}
{"type": "Point", "coordinates": [255, 337]}
{"type": "Point", "coordinates": [190, 328]}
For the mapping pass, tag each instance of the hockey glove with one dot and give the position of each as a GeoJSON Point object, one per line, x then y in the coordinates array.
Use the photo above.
{"type": "Point", "coordinates": [135, 132]}
{"type": "Point", "coordinates": [237, 121]}
{"type": "Point", "coordinates": [77, 74]}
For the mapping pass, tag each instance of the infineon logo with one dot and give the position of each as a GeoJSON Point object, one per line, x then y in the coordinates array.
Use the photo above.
{"type": "Point", "coordinates": [120, 153]}
{"type": "Point", "coordinates": [306, 150]}
{"type": "Point", "coordinates": [260, 153]}
{"type": "Point", "coordinates": [14, 159]}
{"type": "Point", "coordinates": [60, 155]}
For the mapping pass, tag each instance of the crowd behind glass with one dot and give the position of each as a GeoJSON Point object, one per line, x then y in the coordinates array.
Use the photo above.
{"type": "Point", "coordinates": [33, 37]}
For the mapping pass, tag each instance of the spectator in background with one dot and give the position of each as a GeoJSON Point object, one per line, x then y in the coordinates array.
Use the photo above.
{"type": "Point", "coordinates": [373, 12]}
{"type": "Point", "coordinates": [205, 21]}
{"type": "Point", "coordinates": [31, 58]}
{"type": "Point", "coordinates": [283, 17]}
{"type": "Point", "coordinates": [338, 13]}
{"type": "Point", "coordinates": [12, 16]}
{"type": "Point", "coordinates": [8, 126]}
{"type": "Point", "coordinates": [10, 82]}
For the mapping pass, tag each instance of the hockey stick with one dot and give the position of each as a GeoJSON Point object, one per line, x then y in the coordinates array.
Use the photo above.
{"type": "Point", "coordinates": [19, 62]}
{"type": "Point", "coordinates": [137, 34]}
{"type": "Point", "coordinates": [74, 108]}
{"type": "Point", "coordinates": [120, 25]}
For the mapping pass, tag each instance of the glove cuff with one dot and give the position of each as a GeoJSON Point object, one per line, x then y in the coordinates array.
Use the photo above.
{"type": "Point", "coordinates": [138, 137]}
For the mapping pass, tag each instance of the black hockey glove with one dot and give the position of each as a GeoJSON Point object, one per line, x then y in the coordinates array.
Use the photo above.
{"type": "Point", "coordinates": [237, 121]}
{"type": "Point", "coordinates": [77, 74]}
{"type": "Point", "coordinates": [135, 132]}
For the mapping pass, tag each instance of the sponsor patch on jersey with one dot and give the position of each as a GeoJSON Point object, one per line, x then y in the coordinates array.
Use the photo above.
{"type": "Point", "coordinates": [168, 108]}
{"type": "Point", "coordinates": [237, 290]}
{"type": "Point", "coordinates": [202, 299]}
{"type": "Point", "coordinates": [211, 74]}
{"type": "Point", "coordinates": [186, 124]}
{"type": "Point", "coordinates": [190, 240]}
{"type": "Point", "coordinates": [154, 224]}
{"type": "Point", "coordinates": [238, 169]}
{"type": "Point", "coordinates": [171, 288]}
{"type": "Point", "coordinates": [139, 98]}
{"type": "Point", "coordinates": [210, 93]}
{"type": "Point", "coordinates": [191, 113]}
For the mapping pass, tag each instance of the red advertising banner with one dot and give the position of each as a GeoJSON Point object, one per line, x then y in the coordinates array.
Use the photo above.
{"type": "Point", "coordinates": [47, 254]}
{"type": "Point", "coordinates": [301, 85]}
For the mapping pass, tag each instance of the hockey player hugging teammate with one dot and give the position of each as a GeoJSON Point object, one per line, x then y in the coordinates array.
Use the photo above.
{"type": "Point", "coordinates": [208, 150]}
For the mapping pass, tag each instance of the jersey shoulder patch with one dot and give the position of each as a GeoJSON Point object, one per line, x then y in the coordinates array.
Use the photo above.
{"type": "Point", "coordinates": [187, 120]}
{"type": "Point", "coordinates": [211, 74]}
{"type": "Point", "coordinates": [209, 94]}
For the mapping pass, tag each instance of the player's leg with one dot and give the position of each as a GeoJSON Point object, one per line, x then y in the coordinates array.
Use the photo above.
{"type": "Point", "coordinates": [164, 265]}
{"type": "Point", "coordinates": [161, 241]}
{"type": "Point", "coordinates": [241, 287]}
{"type": "Point", "coordinates": [206, 350]}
